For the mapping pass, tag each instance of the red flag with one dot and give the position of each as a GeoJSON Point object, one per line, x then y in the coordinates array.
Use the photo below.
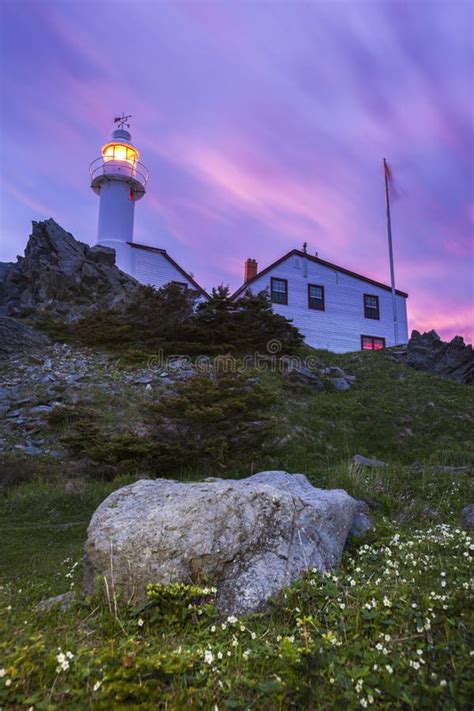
{"type": "Point", "coordinates": [131, 195]}
{"type": "Point", "coordinates": [389, 178]}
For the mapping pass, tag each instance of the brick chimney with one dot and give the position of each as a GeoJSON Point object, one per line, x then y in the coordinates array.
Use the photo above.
{"type": "Point", "coordinates": [250, 269]}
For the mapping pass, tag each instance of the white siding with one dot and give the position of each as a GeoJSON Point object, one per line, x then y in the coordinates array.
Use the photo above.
{"type": "Point", "coordinates": [339, 327]}
{"type": "Point", "coordinates": [153, 268]}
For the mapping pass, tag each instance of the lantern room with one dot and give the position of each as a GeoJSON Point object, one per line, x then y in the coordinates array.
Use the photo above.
{"type": "Point", "coordinates": [120, 160]}
{"type": "Point", "coordinates": [121, 148]}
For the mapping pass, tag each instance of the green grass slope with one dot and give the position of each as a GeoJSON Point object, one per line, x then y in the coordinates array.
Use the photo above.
{"type": "Point", "coordinates": [390, 629]}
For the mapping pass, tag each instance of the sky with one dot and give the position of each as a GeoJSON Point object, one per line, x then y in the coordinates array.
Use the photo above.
{"type": "Point", "coordinates": [263, 124]}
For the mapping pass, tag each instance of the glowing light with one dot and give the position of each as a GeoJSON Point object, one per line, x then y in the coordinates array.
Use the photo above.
{"type": "Point", "coordinates": [120, 152]}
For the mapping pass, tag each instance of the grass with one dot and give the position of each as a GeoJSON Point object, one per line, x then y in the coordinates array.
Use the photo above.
{"type": "Point", "coordinates": [390, 629]}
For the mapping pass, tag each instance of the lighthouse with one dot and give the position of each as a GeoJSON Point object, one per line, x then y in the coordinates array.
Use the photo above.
{"type": "Point", "coordinates": [119, 179]}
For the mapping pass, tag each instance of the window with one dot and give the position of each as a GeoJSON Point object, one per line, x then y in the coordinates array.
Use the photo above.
{"type": "Point", "coordinates": [371, 306]}
{"type": "Point", "coordinates": [372, 343]}
{"type": "Point", "coordinates": [118, 151]}
{"type": "Point", "coordinates": [316, 297]}
{"type": "Point", "coordinates": [279, 289]}
{"type": "Point", "coordinates": [181, 284]}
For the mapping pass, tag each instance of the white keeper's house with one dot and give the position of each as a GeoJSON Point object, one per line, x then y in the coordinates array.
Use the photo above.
{"type": "Point", "coordinates": [333, 307]}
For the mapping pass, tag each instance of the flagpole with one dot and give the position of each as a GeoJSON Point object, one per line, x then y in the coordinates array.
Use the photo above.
{"type": "Point", "coordinates": [390, 251]}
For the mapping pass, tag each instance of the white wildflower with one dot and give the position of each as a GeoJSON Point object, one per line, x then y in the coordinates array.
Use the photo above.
{"type": "Point", "coordinates": [208, 657]}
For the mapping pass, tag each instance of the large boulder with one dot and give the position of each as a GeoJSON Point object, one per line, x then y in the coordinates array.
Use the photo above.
{"type": "Point", "coordinates": [429, 353]}
{"type": "Point", "coordinates": [60, 276]}
{"type": "Point", "coordinates": [248, 537]}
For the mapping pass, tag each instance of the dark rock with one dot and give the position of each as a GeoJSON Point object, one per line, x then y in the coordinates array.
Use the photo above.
{"type": "Point", "coordinates": [297, 375]}
{"type": "Point", "coordinates": [61, 277]}
{"type": "Point", "coordinates": [102, 255]}
{"type": "Point", "coordinates": [467, 517]}
{"type": "Point", "coordinates": [16, 337]}
{"type": "Point", "coordinates": [454, 360]}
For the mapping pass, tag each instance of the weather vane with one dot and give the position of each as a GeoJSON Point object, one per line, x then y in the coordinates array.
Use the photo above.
{"type": "Point", "coordinates": [123, 120]}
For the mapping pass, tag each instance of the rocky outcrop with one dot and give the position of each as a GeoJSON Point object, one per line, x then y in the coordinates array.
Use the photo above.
{"type": "Point", "coordinates": [249, 537]}
{"type": "Point", "coordinates": [427, 352]}
{"type": "Point", "coordinates": [60, 276]}
{"type": "Point", "coordinates": [16, 337]}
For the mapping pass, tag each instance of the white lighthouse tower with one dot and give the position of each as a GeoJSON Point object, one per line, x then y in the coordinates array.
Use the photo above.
{"type": "Point", "coordinates": [119, 179]}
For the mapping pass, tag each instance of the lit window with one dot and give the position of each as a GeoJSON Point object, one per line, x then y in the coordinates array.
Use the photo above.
{"type": "Point", "coordinates": [119, 151]}
{"type": "Point", "coordinates": [372, 343]}
{"type": "Point", "coordinates": [279, 289]}
{"type": "Point", "coordinates": [371, 306]}
{"type": "Point", "coordinates": [316, 297]}
{"type": "Point", "coordinates": [109, 153]}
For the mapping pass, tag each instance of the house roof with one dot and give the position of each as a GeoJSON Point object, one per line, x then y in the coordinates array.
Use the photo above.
{"type": "Point", "coordinates": [299, 253]}
{"type": "Point", "coordinates": [165, 254]}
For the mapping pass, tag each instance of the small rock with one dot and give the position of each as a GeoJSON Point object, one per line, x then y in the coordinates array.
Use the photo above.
{"type": "Point", "coordinates": [431, 514]}
{"type": "Point", "coordinates": [64, 601]}
{"type": "Point", "coordinates": [143, 380]}
{"type": "Point", "coordinates": [40, 408]}
{"type": "Point", "coordinates": [453, 470]}
{"type": "Point", "coordinates": [360, 525]}
{"type": "Point", "coordinates": [365, 462]}
{"type": "Point", "coordinates": [46, 379]}
{"type": "Point", "coordinates": [467, 517]}
{"type": "Point", "coordinates": [15, 413]}
{"type": "Point", "coordinates": [340, 383]}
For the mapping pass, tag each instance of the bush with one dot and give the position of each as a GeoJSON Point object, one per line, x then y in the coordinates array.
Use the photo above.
{"type": "Point", "coordinates": [246, 325]}
{"type": "Point", "coordinates": [165, 319]}
{"type": "Point", "coordinates": [209, 420]}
